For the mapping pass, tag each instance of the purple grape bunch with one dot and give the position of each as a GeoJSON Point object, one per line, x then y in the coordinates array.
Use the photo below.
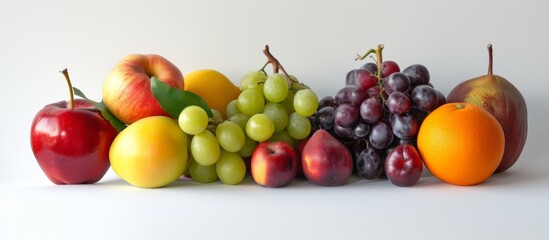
{"type": "Point", "coordinates": [376, 112]}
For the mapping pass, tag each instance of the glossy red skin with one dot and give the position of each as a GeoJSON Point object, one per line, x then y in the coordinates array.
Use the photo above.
{"type": "Point", "coordinates": [326, 161]}
{"type": "Point", "coordinates": [72, 146]}
{"type": "Point", "coordinates": [127, 89]}
{"type": "Point", "coordinates": [403, 165]}
{"type": "Point", "coordinates": [274, 164]}
{"type": "Point", "coordinates": [299, 150]}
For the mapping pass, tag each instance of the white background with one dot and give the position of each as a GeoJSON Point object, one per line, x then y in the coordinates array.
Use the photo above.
{"type": "Point", "coordinates": [316, 41]}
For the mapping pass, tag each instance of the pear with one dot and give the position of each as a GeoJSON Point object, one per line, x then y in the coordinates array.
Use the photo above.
{"type": "Point", "coordinates": [325, 160]}
{"type": "Point", "coordinates": [503, 100]}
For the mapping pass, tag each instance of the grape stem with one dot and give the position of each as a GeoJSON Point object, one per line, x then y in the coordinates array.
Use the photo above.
{"type": "Point", "coordinates": [276, 64]}
{"type": "Point", "coordinates": [379, 59]}
{"type": "Point", "coordinates": [359, 57]}
{"type": "Point", "coordinates": [262, 69]}
{"type": "Point", "coordinates": [65, 73]}
{"type": "Point", "coordinates": [212, 124]}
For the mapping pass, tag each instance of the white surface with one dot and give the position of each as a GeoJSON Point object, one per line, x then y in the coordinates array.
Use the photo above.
{"type": "Point", "coordinates": [316, 42]}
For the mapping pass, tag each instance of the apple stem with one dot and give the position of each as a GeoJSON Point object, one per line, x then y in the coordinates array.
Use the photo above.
{"type": "Point", "coordinates": [490, 59]}
{"type": "Point", "coordinates": [66, 74]}
{"type": "Point", "coordinates": [276, 65]}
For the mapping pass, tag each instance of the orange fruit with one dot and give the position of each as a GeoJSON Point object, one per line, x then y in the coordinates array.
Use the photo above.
{"type": "Point", "coordinates": [461, 143]}
{"type": "Point", "coordinates": [212, 86]}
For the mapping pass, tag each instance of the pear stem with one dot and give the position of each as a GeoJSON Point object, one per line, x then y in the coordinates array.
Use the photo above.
{"type": "Point", "coordinates": [66, 74]}
{"type": "Point", "coordinates": [490, 59]}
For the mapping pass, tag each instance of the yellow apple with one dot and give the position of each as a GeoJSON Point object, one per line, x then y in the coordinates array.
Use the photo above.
{"type": "Point", "coordinates": [150, 153]}
{"type": "Point", "coordinates": [127, 90]}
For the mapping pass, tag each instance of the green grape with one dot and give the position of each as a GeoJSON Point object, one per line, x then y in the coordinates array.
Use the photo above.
{"type": "Point", "coordinates": [217, 116]}
{"type": "Point", "coordinates": [230, 168]}
{"type": "Point", "coordinates": [299, 127]}
{"type": "Point", "coordinates": [249, 147]}
{"type": "Point", "coordinates": [296, 85]}
{"type": "Point", "coordinates": [230, 136]}
{"type": "Point", "coordinates": [259, 127]}
{"type": "Point", "coordinates": [253, 80]}
{"type": "Point", "coordinates": [202, 174]}
{"type": "Point", "coordinates": [275, 88]}
{"type": "Point", "coordinates": [250, 102]}
{"type": "Point", "coordinates": [232, 108]}
{"type": "Point", "coordinates": [205, 148]}
{"type": "Point", "coordinates": [288, 103]}
{"type": "Point", "coordinates": [193, 120]}
{"type": "Point", "coordinates": [282, 136]}
{"type": "Point", "coordinates": [278, 114]}
{"type": "Point", "coordinates": [305, 102]}
{"type": "Point", "coordinates": [241, 119]}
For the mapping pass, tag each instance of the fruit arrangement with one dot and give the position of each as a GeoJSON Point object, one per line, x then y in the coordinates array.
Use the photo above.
{"type": "Point", "coordinates": [154, 126]}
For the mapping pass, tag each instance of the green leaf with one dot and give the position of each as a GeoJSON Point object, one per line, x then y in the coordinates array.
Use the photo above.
{"type": "Point", "coordinates": [115, 122]}
{"type": "Point", "coordinates": [174, 100]}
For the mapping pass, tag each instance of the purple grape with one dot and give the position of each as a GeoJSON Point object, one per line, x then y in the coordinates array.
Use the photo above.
{"type": "Point", "coordinates": [327, 101]}
{"type": "Point", "coordinates": [398, 103]}
{"type": "Point", "coordinates": [344, 95]}
{"type": "Point", "coordinates": [357, 96]}
{"type": "Point", "coordinates": [365, 79]}
{"type": "Point", "coordinates": [356, 147]}
{"type": "Point", "coordinates": [418, 74]}
{"type": "Point", "coordinates": [324, 117]}
{"type": "Point", "coordinates": [441, 98]}
{"type": "Point", "coordinates": [380, 135]}
{"type": "Point", "coordinates": [411, 141]}
{"type": "Point", "coordinates": [404, 126]}
{"type": "Point", "coordinates": [369, 164]}
{"type": "Point", "coordinates": [344, 133]}
{"type": "Point", "coordinates": [388, 68]}
{"type": "Point", "coordinates": [346, 115]}
{"type": "Point", "coordinates": [375, 91]}
{"type": "Point", "coordinates": [371, 110]}
{"type": "Point", "coordinates": [396, 82]}
{"type": "Point", "coordinates": [424, 98]}
{"type": "Point", "coordinates": [350, 79]}
{"type": "Point", "coordinates": [361, 130]}
{"type": "Point", "coordinates": [419, 115]}
{"type": "Point", "coordinates": [371, 67]}
{"type": "Point", "coordinates": [314, 124]}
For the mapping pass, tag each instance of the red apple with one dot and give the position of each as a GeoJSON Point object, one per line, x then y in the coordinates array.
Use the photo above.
{"type": "Point", "coordinates": [274, 164]}
{"type": "Point", "coordinates": [127, 90]}
{"type": "Point", "coordinates": [71, 141]}
{"type": "Point", "coordinates": [325, 160]}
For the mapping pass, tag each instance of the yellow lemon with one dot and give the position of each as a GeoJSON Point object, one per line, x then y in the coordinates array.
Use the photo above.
{"type": "Point", "coordinates": [212, 86]}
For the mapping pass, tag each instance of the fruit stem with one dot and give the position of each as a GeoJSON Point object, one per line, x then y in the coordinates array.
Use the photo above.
{"type": "Point", "coordinates": [358, 57]}
{"type": "Point", "coordinates": [65, 73]}
{"type": "Point", "coordinates": [276, 64]}
{"type": "Point", "coordinates": [262, 69]}
{"type": "Point", "coordinates": [490, 59]}
{"type": "Point", "coordinates": [379, 57]}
